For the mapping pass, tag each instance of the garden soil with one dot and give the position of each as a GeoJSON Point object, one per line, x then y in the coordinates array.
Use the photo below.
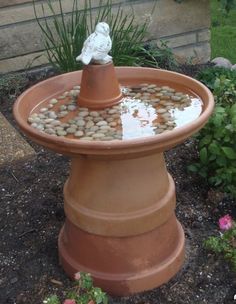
{"type": "Point", "coordinates": [31, 216]}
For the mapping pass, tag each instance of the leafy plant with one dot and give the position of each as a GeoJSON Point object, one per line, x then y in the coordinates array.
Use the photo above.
{"type": "Point", "coordinates": [162, 56]}
{"type": "Point", "coordinates": [222, 82]}
{"type": "Point", "coordinates": [216, 141]}
{"type": "Point", "coordinates": [225, 244]}
{"type": "Point", "coordinates": [210, 75]}
{"type": "Point", "coordinates": [64, 35]}
{"type": "Point", "coordinates": [217, 150]}
{"type": "Point", "coordinates": [82, 293]}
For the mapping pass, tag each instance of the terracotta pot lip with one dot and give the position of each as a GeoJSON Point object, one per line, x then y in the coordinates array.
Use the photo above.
{"type": "Point", "coordinates": [162, 139]}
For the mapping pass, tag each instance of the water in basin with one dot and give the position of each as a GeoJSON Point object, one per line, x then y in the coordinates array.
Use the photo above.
{"type": "Point", "coordinates": [146, 109]}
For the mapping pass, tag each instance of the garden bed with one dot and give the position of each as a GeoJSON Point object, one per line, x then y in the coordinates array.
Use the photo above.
{"type": "Point", "coordinates": [31, 214]}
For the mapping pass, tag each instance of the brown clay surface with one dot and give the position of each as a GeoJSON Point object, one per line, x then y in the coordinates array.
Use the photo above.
{"type": "Point", "coordinates": [99, 87]}
{"type": "Point", "coordinates": [125, 265]}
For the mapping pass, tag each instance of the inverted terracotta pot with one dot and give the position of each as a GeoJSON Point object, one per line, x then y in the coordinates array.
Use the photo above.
{"type": "Point", "coordinates": [119, 199]}
{"type": "Point", "coordinates": [99, 86]}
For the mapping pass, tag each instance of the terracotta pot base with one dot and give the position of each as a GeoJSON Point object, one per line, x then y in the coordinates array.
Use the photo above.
{"type": "Point", "coordinates": [125, 265]}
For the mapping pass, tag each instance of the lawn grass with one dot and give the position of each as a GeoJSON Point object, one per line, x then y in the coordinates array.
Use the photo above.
{"type": "Point", "coordinates": [223, 33]}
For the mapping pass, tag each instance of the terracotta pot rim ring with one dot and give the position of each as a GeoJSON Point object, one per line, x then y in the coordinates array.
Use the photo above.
{"type": "Point", "coordinates": [160, 139]}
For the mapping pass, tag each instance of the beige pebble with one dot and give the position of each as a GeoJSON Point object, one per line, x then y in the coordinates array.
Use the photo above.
{"type": "Point", "coordinates": [151, 86]}
{"type": "Point", "coordinates": [161, 111]}
{"type": "Point", "coordinates": [53, 101]}
{"type": "Point", "coordinates": [80, 123]}
{"type": "Point", "coordinates": [175, 98]}
{"type": "Point", "coordinates": [90, 133]}
{"type": "Point", "coordinates": [89, 124]}
{"type": "Point", "coordinates": [55, 123]}
{"type": "Point", "coordinates": [104, 127]}
{"type": "Point", "coordinates": [94, 128]}
{"type": "Point", "coordinates": [61, 133]}
{"type": "Point", "coordinates": [49, 131]}
{"type": "Point", "coordinates": [71, 130]}
{"type": "Point", "coordinates": [98, 135]}
{"type": "Point", "coordinates": [101, 123]}
{"type": "Point", "coordinates": [112, 111]}
{"type": "Point", "coordinates": [94, 113]}
{"type": "Point", "coordinates": [71, 108]}
{"type": "Point", "coordinates": [83, 113]}
{"type": "Point", "coordinates": [110, 119]}
{"type": "Point", "coordinates": [112, 124]}
{"type": "Point", "coordinates": [43, 110]}
{"type": "Point", "coordinates": [97, 119]}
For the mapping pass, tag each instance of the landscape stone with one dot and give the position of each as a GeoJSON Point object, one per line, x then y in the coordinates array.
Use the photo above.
{"type": "Point", "coordinates": [12, 145]}
{"type": "Point", "coordinates": [222, 62]}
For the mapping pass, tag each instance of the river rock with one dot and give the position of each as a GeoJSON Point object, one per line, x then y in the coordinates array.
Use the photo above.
{"type": "Point", "coordinates": [222, 62]}
{"type": "Point", "coordinates": [233, 68]}
{"type": "Point", "coordinates": [79, 133]}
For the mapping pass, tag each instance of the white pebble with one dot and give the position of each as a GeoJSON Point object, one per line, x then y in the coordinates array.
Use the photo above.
{"type": "Point", "coordinates": [101, 123]}
{"type": "Point", "coordinates": [53, 101]}
{"type": "Point", "coordinates": [94, 114]}
{"type": "Point", "coordinates": [79, 133]}
{"type": "Point", "coordinates": [83, 113]}
{"type": "Point", "coordinates": [89, 124]}
{"type": "Point", "coordinates": [43, 110]}
{"type": "Point", "coordinates": [98, 135]}
{"type": "Point", "coordinates": [71, 108]}
{"type": "Point", "coordinates": [161, 111]}
{"type": "Point", "coordinates": [71, 130]}
{"type": "Point", "coordinates": [80, 123]}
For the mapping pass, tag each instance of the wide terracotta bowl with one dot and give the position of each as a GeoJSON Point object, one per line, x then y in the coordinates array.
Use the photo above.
{"type": "Point", "coordinates": [126, 75]}
{"type": "Point", "coordinates": [119, 199]}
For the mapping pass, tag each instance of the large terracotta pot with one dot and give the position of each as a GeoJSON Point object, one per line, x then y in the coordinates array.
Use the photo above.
{"type": "Point", "coordinates": [119, 199]}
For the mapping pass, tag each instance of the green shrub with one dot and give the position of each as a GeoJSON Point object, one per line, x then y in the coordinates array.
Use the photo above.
{"type": "Point", "coordinates": [217, 140]}
{"type": "Point", "coordinates": [209, 76]}
{"type": "Point", "coordinates": [217, 150]}
{"type": "Point", "coordinates": [65, 34]}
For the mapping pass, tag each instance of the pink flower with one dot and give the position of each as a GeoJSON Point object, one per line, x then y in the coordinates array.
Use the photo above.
{"type": "Point", "coordinates": [226, 222]}
{"type": "Point", "coordinates": [77, 276]}
{"type": "Point", "coordinates": [69, 301]}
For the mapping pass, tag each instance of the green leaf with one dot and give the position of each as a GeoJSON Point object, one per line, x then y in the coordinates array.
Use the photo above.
{"type": "Point", "coordinates": [214, 148]}
{"type": "Point", "coordinates": [205, 140]}
{"type": "Point", "coordinates": [229, 152]}
{"type": "Point", "coordinates": [203, 155]}
{"type": "Point", "coordinates": [221, 161]}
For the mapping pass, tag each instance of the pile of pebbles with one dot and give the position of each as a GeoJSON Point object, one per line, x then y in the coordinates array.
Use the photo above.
{"type": "Point", "coordinates": [63, 117]}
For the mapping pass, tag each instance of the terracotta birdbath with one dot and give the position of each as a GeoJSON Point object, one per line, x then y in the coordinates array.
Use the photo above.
{"type": "Point", "coordinates": [119, 199]}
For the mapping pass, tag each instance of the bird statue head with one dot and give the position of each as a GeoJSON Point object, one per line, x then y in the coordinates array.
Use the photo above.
{"type": "Point", "coordinates": [102, 28]}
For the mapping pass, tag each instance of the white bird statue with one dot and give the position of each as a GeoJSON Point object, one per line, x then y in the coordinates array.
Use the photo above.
{"type": "Point", "coordinates": [97, 46]}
